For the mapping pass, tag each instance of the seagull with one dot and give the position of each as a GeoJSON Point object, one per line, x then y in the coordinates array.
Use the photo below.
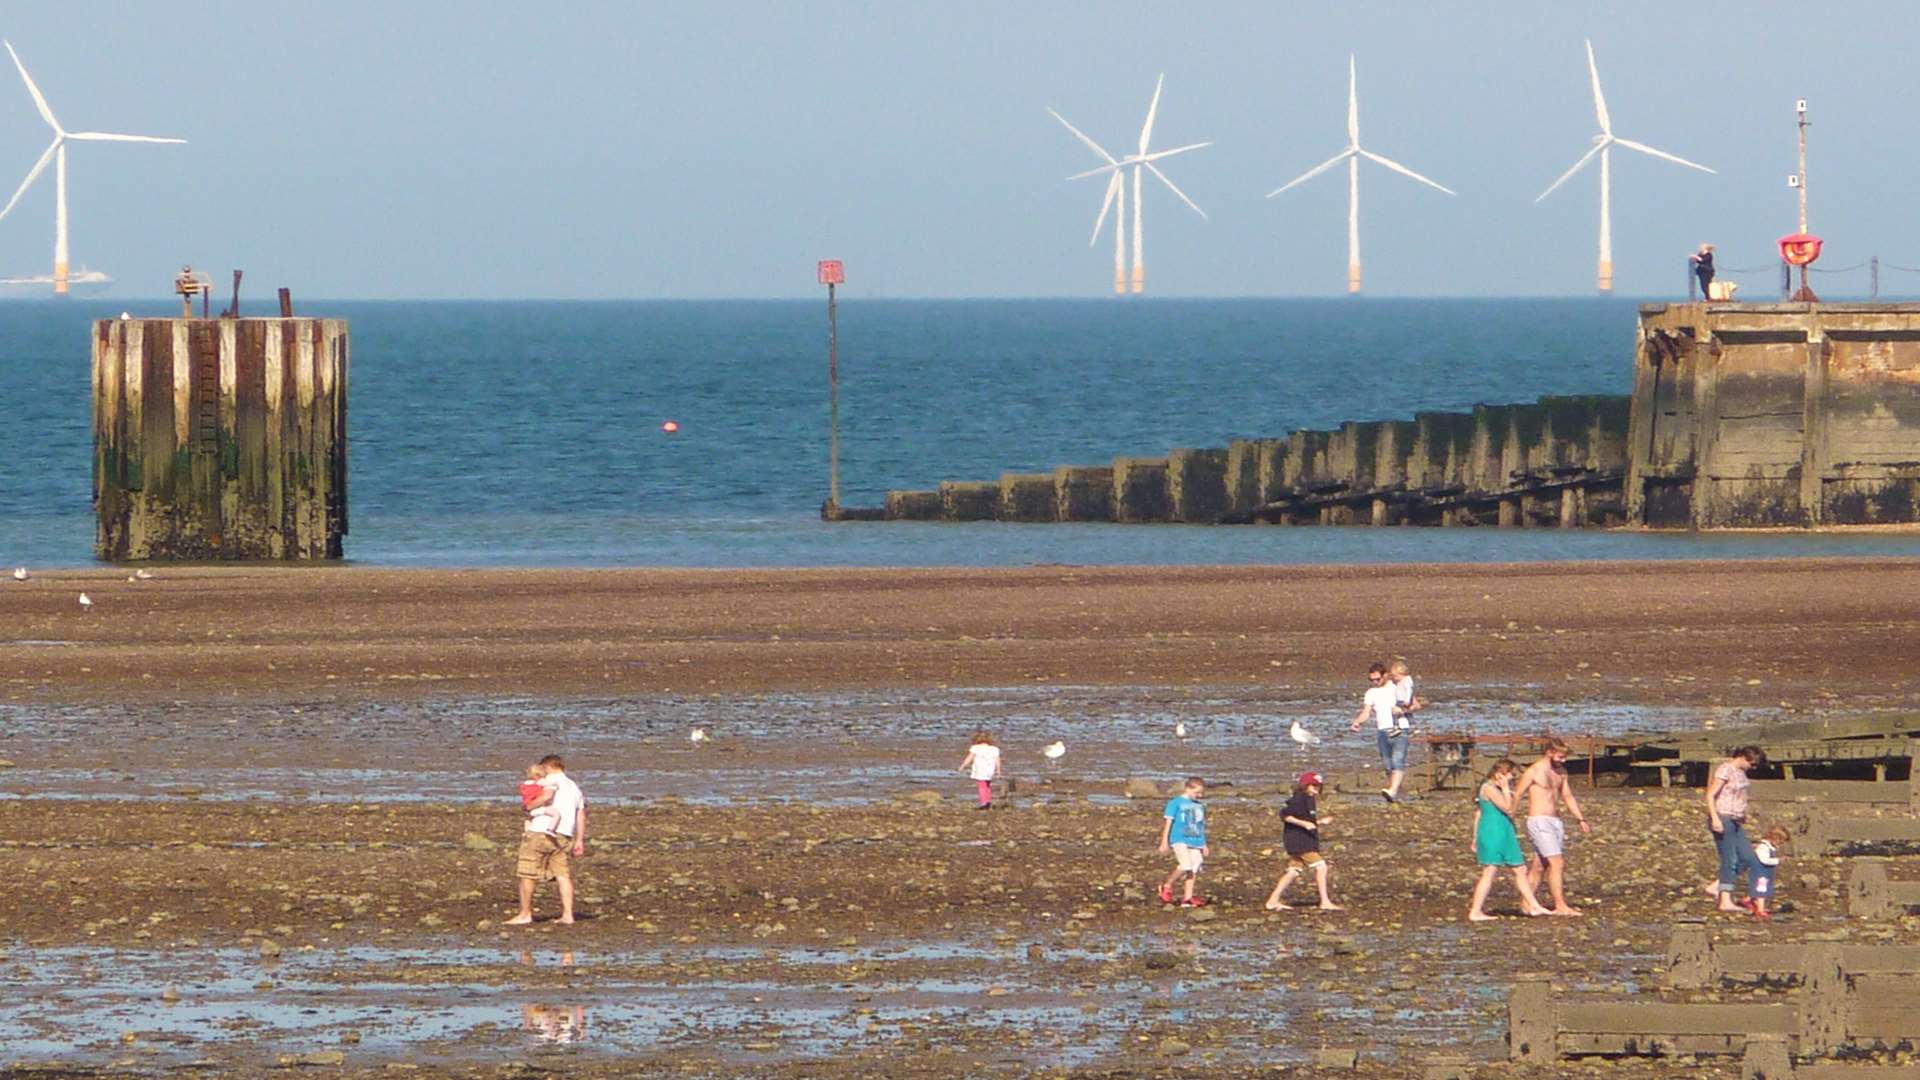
{"type": "Point", "coordinates": [1055, 751]}
{"type": "Point", "coordinates": [697, 736]}
{"type": "Point", "coordinates": [20, 573]}
{"type": "Point", "coordinates": [1180, 730]}
{"type": "Point", "coordinates": [126, 315]}
{"type": "Point", "coordinates": [86, 602]}
{"type": "Point", "coordinates": [143, 575]}
{"type": "Point", "coordinates": [1303, 736]}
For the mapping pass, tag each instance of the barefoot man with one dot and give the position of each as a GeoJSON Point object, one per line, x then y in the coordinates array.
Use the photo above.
{"type": "Point", "coordinates": [551, 840]}
{"type": "Point", "coordinates": [1543, 787]}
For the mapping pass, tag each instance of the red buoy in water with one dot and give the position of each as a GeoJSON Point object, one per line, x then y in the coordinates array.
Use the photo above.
{"type": "Point", "coordinates": [670, 426]}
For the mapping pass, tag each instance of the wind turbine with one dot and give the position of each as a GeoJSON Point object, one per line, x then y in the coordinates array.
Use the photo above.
{"type": "Point", "coordinates": [57, 152]}
{"type": "Point", "coordinates": [1352, 155]}
{"type": "Point", "coordinates": [1603, 145]}
{"type": "Point", "coordinates": [1141, 161]}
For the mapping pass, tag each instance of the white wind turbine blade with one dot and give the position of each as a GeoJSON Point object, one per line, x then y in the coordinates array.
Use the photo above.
{"type": "Point", "coordinates": [1082, 136]}
{"type": "Point", "coordinates": [1146, 129]}
{"type": "Point", "coordinates": [1353, 104]}
{"type": "Point", "coordinates": [1106, 205]}
{"type": "Point", "coordinates": [1313, 172]}
{"type": "Point", "coordinates": [102, 136]}
{"type": "Point", "coordinates": [1155, 170]}
{"type": "Point", "coordinates": [1577, 166]}
{"type": "Point", "coordinates": [39, 101]}
{"type": "Point", "coordinates": [1403, 170]}
{"type": "Point", "coordinates": [32, 175]}
{"type": "Point", "coordinates": [1138, 159]}
{"type": "Point", "coordinates": [1599, 99]}
{"type": "Point", "coordinates": [1645, 149]}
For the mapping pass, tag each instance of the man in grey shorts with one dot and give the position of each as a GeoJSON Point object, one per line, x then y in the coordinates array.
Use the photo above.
{"type": "Point", "coordinates": [1545, 786]}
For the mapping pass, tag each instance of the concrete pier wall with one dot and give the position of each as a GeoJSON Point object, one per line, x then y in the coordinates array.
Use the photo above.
{"type": "Point", "coordinates": [220, 439]}
{"type": "Point", "coordinates": [1753, 415]}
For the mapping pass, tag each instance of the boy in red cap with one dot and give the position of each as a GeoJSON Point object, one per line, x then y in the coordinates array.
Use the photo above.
{"type": "Point", "coordinates": [1302, 838]}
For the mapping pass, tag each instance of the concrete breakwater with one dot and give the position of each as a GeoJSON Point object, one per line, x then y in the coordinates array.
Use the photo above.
{"type": "Point", "coordinates": [1741, 416]}
{"type": "Point", "coordinates": [1557, 461]}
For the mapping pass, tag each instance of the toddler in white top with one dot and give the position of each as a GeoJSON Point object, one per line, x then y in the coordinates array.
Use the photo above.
{"type": "Point", "coordinates": [1767, 874]}
{"type": "Point", "coordinates": [983, 764]}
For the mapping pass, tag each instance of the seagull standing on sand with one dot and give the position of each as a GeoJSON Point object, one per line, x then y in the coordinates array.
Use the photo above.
{"type": "Point", "coordinates": [1054, 752]}
{"type": "Point", "coordinates": [20, 573]}
{"type": "Point", "coordinates": [1180, 730]}
{"type": "Point", "coordinates": [697, 736]}
{"type": "Point", "coordinates": [86, 602]}
{"type": "Point", "coordinates": [1303, 736]}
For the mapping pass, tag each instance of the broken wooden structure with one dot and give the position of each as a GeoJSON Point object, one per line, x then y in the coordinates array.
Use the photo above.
{"type": "Point", "coordinates": [1823, 831]}
{"type": "Point", "coordinates": [219, 439]}
{"type": "Point", "coordinates": [1871, 894]}
{"type": "Point", "coordinates": [1697, 962]}
{"type": "Point", "coordinates": [1451, 754]}
{"type": "Point", "coordinates": [1805, 759]}
{"type": "Point", "coordinates": [1836, 1010]}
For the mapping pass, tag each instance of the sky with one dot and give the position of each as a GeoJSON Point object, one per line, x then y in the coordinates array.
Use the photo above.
{"type": "Point", "coordinates": [641, 150]}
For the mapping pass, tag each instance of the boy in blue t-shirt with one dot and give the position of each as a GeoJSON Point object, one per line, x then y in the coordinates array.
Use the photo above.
{"type": "Point", "coordinates": [1183, 830]}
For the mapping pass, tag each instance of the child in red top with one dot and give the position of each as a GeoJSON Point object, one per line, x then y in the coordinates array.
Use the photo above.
{"type": "Point", "coordinates": [534, 791]}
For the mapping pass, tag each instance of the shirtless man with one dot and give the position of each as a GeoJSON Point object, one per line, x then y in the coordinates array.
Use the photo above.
{"type": "Point", "coordinates": [1543, 787]}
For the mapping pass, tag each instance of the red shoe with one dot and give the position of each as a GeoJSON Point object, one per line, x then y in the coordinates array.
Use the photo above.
{"type": "Point", "coordinates": [1749, 905]}
{"type": "Point", "coordinates": [1194, 901]}
{"type": "Point", "coordinates": [1763, 916]}
{"type": "Point", "coordinates": [1166, 894]}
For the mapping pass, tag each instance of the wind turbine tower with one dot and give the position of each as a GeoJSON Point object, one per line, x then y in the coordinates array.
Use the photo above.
{"type": "Point", "coordinates": [1141, 162]}
{"type": "Point", "coordinates": [1603, 145]}
{"type": "Point", "coordinates": [1352, 155]}
{"type": "Point", "coordinates": [57, 153]}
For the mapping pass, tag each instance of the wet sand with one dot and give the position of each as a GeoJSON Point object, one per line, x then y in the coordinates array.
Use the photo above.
{"type": "Point", "coordinates": [225, 856]}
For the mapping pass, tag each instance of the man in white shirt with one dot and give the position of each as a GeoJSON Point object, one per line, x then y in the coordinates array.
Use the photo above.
{"type": "Point", "coordinates": [550, 841]}
{"type": "Point", "coordinates": [1392, 734]}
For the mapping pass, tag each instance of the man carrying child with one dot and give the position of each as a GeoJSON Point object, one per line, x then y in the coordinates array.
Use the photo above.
{"type": "Point", "coordinates": [556, 833]}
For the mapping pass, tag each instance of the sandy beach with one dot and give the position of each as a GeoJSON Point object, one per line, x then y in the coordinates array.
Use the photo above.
{"type": "Point", "coordinates": [1687, 632]}
{"type": "Point", "coordinates": [263, 817]}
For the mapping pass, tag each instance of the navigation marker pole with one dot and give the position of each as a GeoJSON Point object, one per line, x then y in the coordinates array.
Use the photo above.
{"type": "Point", "coordinates": [832, 273]}
{"type": "Point", "coordinates": [1802, 248]}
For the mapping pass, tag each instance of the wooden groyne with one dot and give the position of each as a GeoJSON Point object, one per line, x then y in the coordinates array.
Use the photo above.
{"type": "Point", "coordinates": [220, 438]}
{"type": "Point", "coordinates": [1558, 461]}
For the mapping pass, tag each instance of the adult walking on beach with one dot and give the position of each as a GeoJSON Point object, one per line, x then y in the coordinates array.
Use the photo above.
{"type": "Point", "coordinates": [551, 841]}
{"type": "Point", "coordinates": [1544, 787]}
{"type": "Point", "coordinates": [1496, 843]}
{"type": "Point", "coordinates": [1727, 819]}
{"type": "Point", "coordinates": [1393, 731]}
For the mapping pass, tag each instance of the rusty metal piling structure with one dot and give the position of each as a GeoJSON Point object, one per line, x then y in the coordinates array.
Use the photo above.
{"type": "Point", "coordinates": [220, 439]}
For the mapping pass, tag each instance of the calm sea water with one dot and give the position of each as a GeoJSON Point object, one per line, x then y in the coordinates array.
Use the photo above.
{"type": "Point", "coordinates": [530, 433]}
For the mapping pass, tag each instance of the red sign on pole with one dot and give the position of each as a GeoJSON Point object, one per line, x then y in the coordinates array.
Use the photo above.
{"type": "Point", "coordinates": [832, 272]}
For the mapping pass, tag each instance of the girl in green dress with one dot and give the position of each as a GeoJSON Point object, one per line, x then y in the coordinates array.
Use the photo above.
{"type": "Point", "coordinates": [1496, 844]}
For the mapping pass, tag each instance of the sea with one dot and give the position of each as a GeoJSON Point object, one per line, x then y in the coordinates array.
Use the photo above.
{"type": "Point", "coordinates": [534, 433]}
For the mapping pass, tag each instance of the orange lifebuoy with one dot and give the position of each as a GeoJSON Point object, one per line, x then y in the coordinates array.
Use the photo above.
{"type": "Point", "coordinates": [1800, 249]}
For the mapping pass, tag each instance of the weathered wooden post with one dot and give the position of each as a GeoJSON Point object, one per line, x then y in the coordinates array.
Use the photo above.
{"type": "Point", "coordinates": [1531, 1027]}
{"type": "Point", "coordinates": [220, 439]}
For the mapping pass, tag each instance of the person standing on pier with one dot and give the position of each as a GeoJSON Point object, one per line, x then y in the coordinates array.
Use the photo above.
{"type": "Point", "coordinates": [1544, 786]}
{"type": "Point", "coordinates": [1702, 261]}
